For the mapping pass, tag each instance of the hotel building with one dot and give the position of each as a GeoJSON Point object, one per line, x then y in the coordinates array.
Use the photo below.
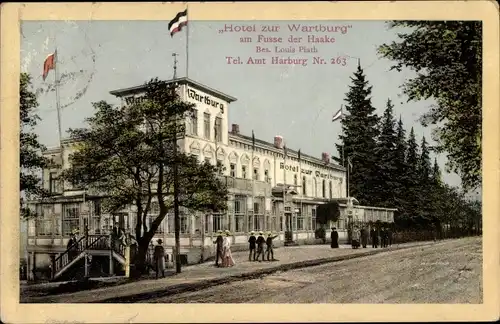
{"type": "Point", "coordinates": [255, 177]}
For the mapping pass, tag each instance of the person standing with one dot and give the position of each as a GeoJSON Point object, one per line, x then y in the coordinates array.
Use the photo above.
{"type": "Point", "coordinates": [159, 257]}
{"type": "Point", "coordinates": [389, 236]}
{"type": "Point", "coordinates": [355, 237]}
{"type": "Point", "coordinates": [269, 243]}
{"type": "Point", "coordinates": [374, 237]}
{"type": "Point", "coordinates": [227, 257]}
{"type": "Point", "coordinates": [334, 236]}
{"type": "Point", "coordinates": [260, 246]}
{"type": "Point", "coordinates": [364, 237]}
{"type": "Point", "coordinates": [72, 247]}
{"type": "Point", "coordinates": [382, 238]}
{"type": "Point", "coordinates": [251, 244]}
{"type": "Point", "coordinates": [218, 241]}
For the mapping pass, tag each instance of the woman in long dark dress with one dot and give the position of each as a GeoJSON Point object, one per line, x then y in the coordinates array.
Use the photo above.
{"type": "Point", "coordinates": [335, 238]}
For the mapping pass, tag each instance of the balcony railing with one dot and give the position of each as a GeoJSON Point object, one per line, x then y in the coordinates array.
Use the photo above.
{"type": "Point", "coordinates": [246, 184]}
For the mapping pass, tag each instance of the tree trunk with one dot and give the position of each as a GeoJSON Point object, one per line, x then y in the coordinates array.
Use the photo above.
{"type": "Point", "coordinates": [140, 262]}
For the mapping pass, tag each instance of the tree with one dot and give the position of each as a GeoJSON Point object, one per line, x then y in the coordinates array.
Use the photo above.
{"type": "Point", "coordinates": [359, 138]}
{"type": "Point", "coordinates": [424, 170]}
{"type": "Point", "coordinates": [387, 159]}
{"type": "Point", "coordinates": [400, 170]}
{"type": "Point", "coordinates": [412, 179]}
{"type": "Point", "coordinates": [127, 154]}
{"type": "Point", "coordinates": [447, 56]}
{"type": "Point", "coordinates": [31, 160]}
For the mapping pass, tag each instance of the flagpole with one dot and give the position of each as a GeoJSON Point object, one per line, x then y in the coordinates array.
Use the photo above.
{"type": "Point", "coordinates": [284, 186]}
{"type": "Point", "coordinates": [348, 167]}
{"type": "Point", "coordinates": [342, 132]}
{"type": "Point", "coordinates": [187, 41]}
{"type": "Point", "coordinates": [302, 188]}
{"type": "Point", "coordinates": [253, 181]}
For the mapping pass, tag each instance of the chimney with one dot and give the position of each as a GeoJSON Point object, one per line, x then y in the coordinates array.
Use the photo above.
{"type": "Point", "coordinates": [325, 157]}
{"type": "Point", "coordinates": [235, 129]}
{"type": "Point", "coordinates": [278, 141]}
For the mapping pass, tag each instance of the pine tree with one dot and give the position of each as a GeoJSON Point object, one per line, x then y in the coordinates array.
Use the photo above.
{"type": "Point", "coordinates": [424, 185]}
{"type": "Point", "coordinates": [400, 172]}
{"type": "Point", "coordinates": [359, 139]}
{"type": "Point", "coordinates": [386, 156]}
{"type": "Point", "coordinates": [412, 181]}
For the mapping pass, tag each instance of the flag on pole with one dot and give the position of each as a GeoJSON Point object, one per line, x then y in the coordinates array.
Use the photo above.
{"type": "Point", "coordinates": [285, 151]}
{"type": "Point", "coordinates": [337, 115]}
{"type": "Point", "coordinates": [299, 155]}
{"type": "Point", "coordinates": [253, 141]}
{"type": "Point", "coordinates": [49, 64]}
{"type": "Point", "coordinates": [176, 24]}
{"type": "Point", "coordinates": [349, 162]}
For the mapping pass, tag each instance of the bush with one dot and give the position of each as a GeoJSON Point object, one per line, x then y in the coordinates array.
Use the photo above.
{"type": "Point", "coordinates": [320, 233]}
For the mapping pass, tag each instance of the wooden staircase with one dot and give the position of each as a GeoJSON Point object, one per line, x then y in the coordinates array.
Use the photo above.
{"type": "Point", "coordinates": [93, 245]}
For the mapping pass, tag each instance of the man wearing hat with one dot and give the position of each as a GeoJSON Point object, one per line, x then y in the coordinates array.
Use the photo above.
{"type": "Point", "coordinates": [219, 240]}
{"type": "Point", "coordinates": [269, 243]}
{"type": "Point", "coordinates": [159, 257]}
{"type": "Point", "coordinates": [260, 246]}
{"type": "Point", "coordinates": [252, 241]}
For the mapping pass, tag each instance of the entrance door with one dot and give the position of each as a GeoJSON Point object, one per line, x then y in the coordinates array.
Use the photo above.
{"type": "Point", "coordinates": [288, 222]}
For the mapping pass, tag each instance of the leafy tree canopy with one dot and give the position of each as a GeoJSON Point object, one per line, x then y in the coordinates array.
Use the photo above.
{"type": "Point", "coordinates": [447, 56]}
{"type": "Point", "coordinates": [31, 160]}
{"type": "Point", "coordinates": [127, 154]}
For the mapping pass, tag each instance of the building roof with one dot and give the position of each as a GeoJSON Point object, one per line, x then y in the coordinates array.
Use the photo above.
{"type": "Point", "coordinates": [183, 80]}
{"type": "Point", "coordinates": [290, 152]}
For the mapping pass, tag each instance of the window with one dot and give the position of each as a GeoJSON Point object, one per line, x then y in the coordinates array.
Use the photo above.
{"type": "Point", "coordinates": [207, 159]}
{"type": "Point", "coordinates": [192, 122]}
{"type": "Point", "coordinates": [220, 165]}
{"type": "Point", "coordinates": [207, 222]}
{"type": "Point", "coordinates": [315, 193]}
{"type": "Point", "coordinates": [217, 222]}
{"type": "Point", "coordinates": [232, 170]}
{"type": "Point", "coordinates": [304, 191]}
{"type": "Point", "coordinates": [300, 220]}
{"type": "Point", "coordinates": [295, 180]}
{"type": "Point", "coordinates": [206, 121]}
{"type": "Point", "coordinates": [323, 188]}
{"type": "Point", "coordinates": [239, 213]}
{"type": "Point", "coordinates": [153, 213]}
{"type": "Point", "coordinates": [44, 222]}
{"type": "Point", "coordinates": [266, 176]}
{"type": "Point", "coordinates": [218, 129]}
{"type": "Point", "coordinates": [313, 221]}
{"type": "Point", "coordinates": [331, 196]}
{"type": "Point", "coordinates": [244, 171]}
{"type": "Point", "coordinates": [71, 218]}
{"type": "Point", "coordinates": [256, 174]}
{"type": "Point", "coordinates": [53, 183]}
{"type": "Point", "coordinates": [258, 219]}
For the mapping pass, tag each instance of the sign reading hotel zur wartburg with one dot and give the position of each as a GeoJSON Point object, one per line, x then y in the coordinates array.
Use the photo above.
{"type": "Point", "coordinates": [295, 168]}
{"type": "Point", "coordinates": [192, 94]}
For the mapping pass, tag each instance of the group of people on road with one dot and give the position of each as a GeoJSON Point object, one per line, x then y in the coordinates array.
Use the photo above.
{"type": "Point", "coordinates": [359, 237]}
{"type": "Point", "coordinates": [223, 246]}
{"type": "Point", "coordinates": [256, 246]}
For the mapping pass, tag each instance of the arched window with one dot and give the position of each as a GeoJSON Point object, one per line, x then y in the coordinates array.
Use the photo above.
{"type": "Point", "coordinates": [315, 194]}
{"type": "Point", "coordinates": [331, 190]}
{"type": "Point", "coordinates": [304, 191]}
{"type": "Point", "coordinates": [323, 188]}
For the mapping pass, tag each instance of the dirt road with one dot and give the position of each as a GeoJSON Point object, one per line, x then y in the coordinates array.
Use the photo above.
{"type": "Point", "coordinates": [441, 273]}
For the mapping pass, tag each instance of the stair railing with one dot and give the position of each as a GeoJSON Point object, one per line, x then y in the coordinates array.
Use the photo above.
{"type": "Point", "coordinates": [64, 258]}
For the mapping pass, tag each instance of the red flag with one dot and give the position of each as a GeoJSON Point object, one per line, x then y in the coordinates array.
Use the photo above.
{"type": "Point", "coordinates": [48, 65]}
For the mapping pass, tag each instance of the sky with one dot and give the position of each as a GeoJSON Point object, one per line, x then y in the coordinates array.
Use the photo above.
{"type": "Point", "coordinates": [291, 100]}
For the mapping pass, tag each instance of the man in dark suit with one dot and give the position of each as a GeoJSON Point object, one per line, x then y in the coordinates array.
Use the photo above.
{"type": "Point", "coordinates": [260, 246]}
{"type": "Point", "coordinates": [364, 237]}
{"type": "Point", "coordinates": [218, 241]}
{"type": "Point", "coordinates": [252, 244]}
{"type": "Point", "coordinates": [374, 237]}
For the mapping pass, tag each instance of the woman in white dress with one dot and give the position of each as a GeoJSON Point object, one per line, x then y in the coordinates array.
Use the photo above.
{"type": "Point", "coordinates": [227, 258]}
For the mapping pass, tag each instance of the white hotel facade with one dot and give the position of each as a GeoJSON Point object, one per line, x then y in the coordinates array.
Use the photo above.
{"type": "Point", "coordinates": [255, 180]}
